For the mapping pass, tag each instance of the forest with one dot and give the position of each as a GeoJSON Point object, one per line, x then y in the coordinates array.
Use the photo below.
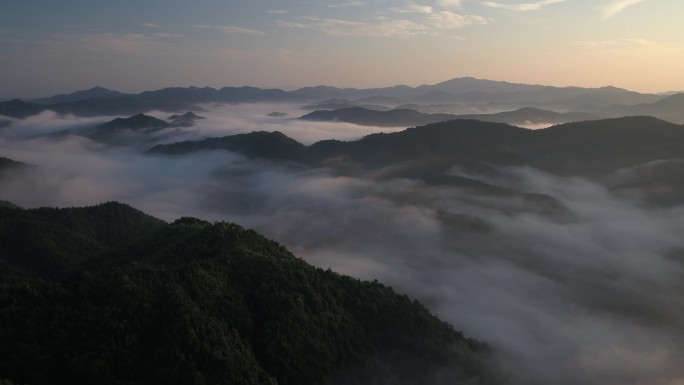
{"type": "Point", "coordinates": [110, 295]}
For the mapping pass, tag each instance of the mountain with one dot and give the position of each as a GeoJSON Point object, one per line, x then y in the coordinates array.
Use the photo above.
{"type": "Point", "coordinates": [588, 148]}
{"type": "Point", "coordinates": [124, 131]}
{"type": "Point", "coordinates": [407, 117]}
{"type": "Point", "coordinates": [8, 205]}
{"type": "Point", "coordinates": [92, 93]}
{"type": "Point", "coordinates": [135, 122]}
{"type": "Point", "coordinates": [188, 115]}
{"type": "Point", "coordinates": [670, 108]}
{"type": "Point", "coordinates": [6, 164]}
{"type": "Point", "coordinates": [336, 104]}
{"type": "Point", "coordinates": [188, 119]}
{"type": "Point", "coordinates": [656, 183]}
{"type": "Point", "coordinates": [20, 109]}
{"type": "Point", "coordinates": [268, 145]}
{"type": "Point", "coordinates": [110, 295]}
{"type": "Point", "coordinates": [532, 116]}
{"type": "Point", "coordinates": [168, 99]}
{"type": "Point", "coordinates": [367, 117]}
{"type": "Point", "coordinates": [466, 85]}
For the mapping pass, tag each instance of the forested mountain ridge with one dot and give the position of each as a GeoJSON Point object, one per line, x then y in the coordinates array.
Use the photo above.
{"type": "Point", "coordinates": [137, 301]}
{"type": "Point", "coordinates": [410, 117]}
{"type": "Point", "coordinates": [582, 148]}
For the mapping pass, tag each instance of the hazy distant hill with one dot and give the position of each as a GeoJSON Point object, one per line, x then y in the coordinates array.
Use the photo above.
{"type": "Point", "coordinates": [99, 101]}
{"type": "Point", "coordinates": [6, 164]}
{"type": "Point", "coordinates": [670, 108]}
{"type": "Point", "coordinates": [92, 93]}
{"type": "Point", "coordinates": [121, 131]}
{"type": "Point", "coordinates": [110, 295]}
{"type": "Point", "coordinates": [168, 99]}
{"type": "Point", "coordinates": [367, 117]}
{"type": "Point", "coordinates": [582, 148]}
{"type": "Point", "coordinates": [20, 109]}
{"type": "Point", "coordinates": [135, 122]}
{"type": "Point", "coordinates": [408, 117]}
{"type": "Point", "coordinates": [188, 119]}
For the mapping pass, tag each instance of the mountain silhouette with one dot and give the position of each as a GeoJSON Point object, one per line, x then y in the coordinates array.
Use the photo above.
{"type": "Point", "coordinates": [92, 93]}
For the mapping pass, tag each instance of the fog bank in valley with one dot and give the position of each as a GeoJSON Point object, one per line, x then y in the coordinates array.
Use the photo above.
{"type": "Point", "coordinates": [591, 294]}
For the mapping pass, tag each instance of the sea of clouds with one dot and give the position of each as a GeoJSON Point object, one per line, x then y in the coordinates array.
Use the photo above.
{"type": "Point", "coordinates": [593, 296]}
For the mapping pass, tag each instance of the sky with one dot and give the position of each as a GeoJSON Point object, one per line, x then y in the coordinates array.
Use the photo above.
{"type": "Point", "coordinates": [49, 47]}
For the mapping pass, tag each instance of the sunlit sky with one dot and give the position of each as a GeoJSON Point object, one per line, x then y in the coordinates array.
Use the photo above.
{"type": "Point", "coordinates": [50, 46]}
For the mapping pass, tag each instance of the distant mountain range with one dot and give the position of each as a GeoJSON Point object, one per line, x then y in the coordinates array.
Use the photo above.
{"type": "Point", "coordinates": [485, 94]}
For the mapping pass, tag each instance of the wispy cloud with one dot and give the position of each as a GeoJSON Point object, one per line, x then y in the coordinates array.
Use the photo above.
{"type": "Point", "coordinates": [449, 3]}
{"type": "Point", "coordinates": [232, 29]}
{"type": "Point", "coordinates": [345, 28]}
{"type": "Point", "coordinates": [626, 44]}
{"type": "Point", "coordinates": [348, 4]}
{"type": "Point", "coordinates": [97, 43]}
{"type": "Point", "coordinates": [413, 8]}
{"type": "Point", "coordinates": [451, 20]}
{"type": "Point", "coordinates": [432, 23]}
{"type": "Point", "coordinates": [151, 25]}
{"type": "Point", "coordinates": [617, 6]}
{"type": "Point", "coordinates": [167, 35]}
{"type": "Point", "coordinates": [521, 6]}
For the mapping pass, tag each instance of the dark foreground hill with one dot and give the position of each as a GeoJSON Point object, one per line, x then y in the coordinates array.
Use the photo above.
{"type": "Point", "coordinates": [109, 295]}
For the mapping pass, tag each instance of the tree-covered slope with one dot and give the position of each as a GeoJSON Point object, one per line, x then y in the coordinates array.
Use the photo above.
{"type": "Point", "coordinates": [142, 302]}
{"type": "Point", "coordinates": [46, 240]}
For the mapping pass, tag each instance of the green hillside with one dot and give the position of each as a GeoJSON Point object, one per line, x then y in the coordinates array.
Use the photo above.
{"type": "Point", "coordinates": [109, 295]}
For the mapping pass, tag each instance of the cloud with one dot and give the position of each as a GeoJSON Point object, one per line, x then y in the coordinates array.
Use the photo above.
{"type": "Point", "coordinates": [431, 23]}
{"type": "Point", "coordinates": [232, 29]}
{"type": "Point", "coordinates": [521, 6]}
{"type": "Point", "coordinates": [348, 4]}
{"type": "Point", "coordinates": [639, 46]}
{"type": "Point", "coordinates": [151, 25]}
{"type": "Point", "coordinates": [451, 20]}
{"type": "Point", "coordinates": [348, 28]}
{"type": "Point", "coordinates": [103, 43]}
{"type": "Point", "coordinates": [450, 3]}
{"type": "Point", "coordinates": [614, 7]}
{"type": "Point", "coordinates": [413, 8]}
{"type": "Point", "coordinates": [592, 295]}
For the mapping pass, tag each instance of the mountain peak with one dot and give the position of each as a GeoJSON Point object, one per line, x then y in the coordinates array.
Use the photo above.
{"type": "Point", "coordinates": [135, 122]}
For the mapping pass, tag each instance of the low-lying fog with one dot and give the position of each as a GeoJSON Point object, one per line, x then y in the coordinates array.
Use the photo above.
{"type": "Point", "coordinates": [592, 296]}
